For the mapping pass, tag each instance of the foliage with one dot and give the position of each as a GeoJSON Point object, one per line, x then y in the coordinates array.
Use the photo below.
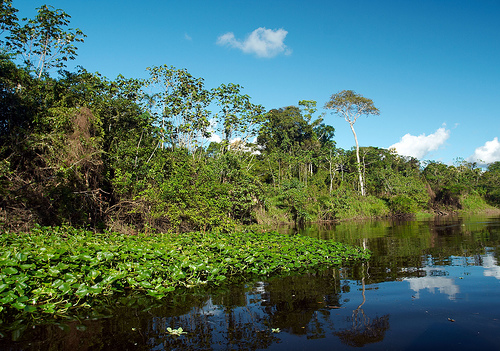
{"type": "Point", "coordinates": [135, 155]}
{"type": "Point", "coordinates": [8, 17]}
{"type": "Point", "coordinates": [237, 114]}
{"type": "Point", "coordinates": [489, 183]}
{"type": "Point", "coordinates": [44, 42]}
{"type": "Point", "coordinates": [179, 104]}
{"type": "Point", "coordinates": [474, 203]}
{"type": "Point", "coordinates": [59, 270]}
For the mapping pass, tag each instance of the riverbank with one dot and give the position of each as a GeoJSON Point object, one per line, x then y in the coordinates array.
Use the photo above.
{"type": "Point", "coordinates": [369, 207]}
{"type": "Point", "coordinates": [58, 270]}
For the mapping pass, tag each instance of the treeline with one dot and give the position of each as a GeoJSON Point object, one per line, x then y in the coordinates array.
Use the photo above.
{"type": "Point", "coordinates": [142, 154]}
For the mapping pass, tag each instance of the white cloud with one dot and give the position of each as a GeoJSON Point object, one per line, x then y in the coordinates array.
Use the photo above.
{"type": "Point", "coordinates": [261, 42]}
{"type": "Point", "coordinates": [187, 37]}
{"type": "Point", "coordinates": [420, 146]}
{"type": "Point", "coordinates": [214, 137]}
{"type": "Point", "coordinates": [488, 153]}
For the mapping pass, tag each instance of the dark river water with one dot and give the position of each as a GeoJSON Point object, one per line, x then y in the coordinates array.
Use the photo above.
{"type": "Point", "coordinates": [431, 284]}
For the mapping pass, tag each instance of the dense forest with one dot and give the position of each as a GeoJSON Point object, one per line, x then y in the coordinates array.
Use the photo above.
{"type": "Point", "coordinates": [142, 155]}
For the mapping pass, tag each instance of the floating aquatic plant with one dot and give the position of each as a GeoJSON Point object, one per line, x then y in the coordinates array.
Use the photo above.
{"type": "Point", "coordinates": [57, 270]}
{"type": "Point", "coordinates": [175, 332]}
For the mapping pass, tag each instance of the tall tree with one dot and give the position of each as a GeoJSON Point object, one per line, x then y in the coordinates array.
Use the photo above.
{"type": "Point", "coordinates": [238, 117]}
{"type": "Point", "coordinates": [180, 105]}
{"type": "Point", "coordinates": [45, 41]}
{"type": "Point", "coordinates": [350, 106]}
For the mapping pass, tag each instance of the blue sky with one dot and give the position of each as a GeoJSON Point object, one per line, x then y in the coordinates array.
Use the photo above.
{"type": "Point", "coordinates": [432, 67]}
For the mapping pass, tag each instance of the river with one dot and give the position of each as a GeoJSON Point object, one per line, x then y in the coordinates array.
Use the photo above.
{"type": "Point", "coordinates": [430, 284]}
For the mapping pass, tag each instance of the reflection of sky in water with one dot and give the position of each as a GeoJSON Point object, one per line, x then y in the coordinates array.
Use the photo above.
{"type": "Point", "coordinates": [443, 284]}
{"type": "Point", "coordinates": [435, 277]}
{"type": "Point", "coordinates": [491, 266]}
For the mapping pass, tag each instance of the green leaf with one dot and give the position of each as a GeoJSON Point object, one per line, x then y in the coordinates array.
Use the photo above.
{"type": "Point", "coordinates": [19, 305]}
{"type": "Point", "coordinates": [53, 272]}
{"type": "Point", "coordinates": [82, 291]}
{"type": "Point", "coordinates": [10, 270]}
{"type": "Point", "coordinates": [30, 309]}
{"type": "Point", "coordinates": [9, 298]}
{"type": "Point", "coordinates": [65, 288]}
{"type": "Point", "coordinates": [3, 286]}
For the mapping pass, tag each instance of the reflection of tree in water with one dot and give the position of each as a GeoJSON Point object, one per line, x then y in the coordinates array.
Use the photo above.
{"type": "Point", "coordinates": [300, 304]}
{"type": "Point", "coordinates": [364, 330]}
{"type": "Point", "coordinates": [239, 328]}
{"type": "Point", "coordinates": [225, 321]}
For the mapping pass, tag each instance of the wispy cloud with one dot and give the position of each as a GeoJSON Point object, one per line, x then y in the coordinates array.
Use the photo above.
{"type": "Point", "coordinates": [419, 146]}
{"type": "Point", "coordinates": [261, 42]}
{"type": "Point", "coordinates": [187, 37]}
{"type": "Point", "coordinates": [488, 153]}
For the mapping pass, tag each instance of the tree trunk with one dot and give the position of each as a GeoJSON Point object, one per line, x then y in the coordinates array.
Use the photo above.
{"type": "Point", "coordinates": [361, 183]}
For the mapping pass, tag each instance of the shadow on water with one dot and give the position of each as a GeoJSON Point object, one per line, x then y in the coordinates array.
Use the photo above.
{"type": "Point", "coordinates": [430, 283]}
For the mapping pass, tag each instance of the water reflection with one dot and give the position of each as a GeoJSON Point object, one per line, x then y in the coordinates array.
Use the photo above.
{"type": "Point", "coordinates": [490, 264]}
{"type": "Point", "coordinates": [434, 279]}
{"type": "Point", "coordinates": [364, 330]}
{"type": "Point", "coordinates": [422, 275]}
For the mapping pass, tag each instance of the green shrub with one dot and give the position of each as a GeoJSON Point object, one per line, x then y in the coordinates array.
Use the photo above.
{"type": "Point", "coordinates": [403, 204]}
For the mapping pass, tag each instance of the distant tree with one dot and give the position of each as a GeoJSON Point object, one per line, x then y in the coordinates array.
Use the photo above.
{"type": "Point", "coordinates": [350, 105]}
{"type": "Point", "coordinates": [490, 183]}
{"type": "Point", "coordinates": [44, 42]}
{"type": "Point", "coordinates": [285, 129]}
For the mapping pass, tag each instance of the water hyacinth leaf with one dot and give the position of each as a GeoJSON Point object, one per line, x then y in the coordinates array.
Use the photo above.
{"type": "Point", "coordinates": [62, 266]}
{"type": "Point", "coordinates": [145, 284]}
{"type": "Point", "coordinates": [30, 309]}
{"type": "Point", "coordinates": [48, 308]}
{"type": "Point", "coordinates": [114, 276]}
{"type": "Point", "coordinates": [27, 266]}
{"type": "Point", "coordinates": [9, 270]}
{"type": "Point", "coordinates": [8, 298]}
{"type": "Point", "coordinates": [3, 286]}
{"type": "Point", "coordinates": [85, 257]}
{"type": "Point", "coordinates": [82, 291]}
{"type": "Point", "coordinates": [20, 286]}
{"type": "Point", "coordinates": [70, 278]}
{"type": "Point", "coordinates": [95, 289]}
{"type": "Point", "coordinates": [56, 283]}
{"type": "Point", "coordinates": [21, 256]}
{"type": "Point", "coordinates": [53, 272]}
{"type": "Point", "coordinates": [44, 291]}
{"type": "Point", "coordinates": [94, 274]}
{"type": "Point", "coordinates": [108, 255]}
{"type": "Point", "coordinates": [65, 288]}
{"type": "Point", "coordinates": [18, 305]}
{"type": "Point", "coordinates": [39, 273]}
